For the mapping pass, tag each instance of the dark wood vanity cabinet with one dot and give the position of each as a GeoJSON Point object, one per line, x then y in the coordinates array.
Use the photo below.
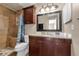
{"type": "Point", "coordinates": [44, 46]}
{"type": "Point", "coordinates": [29, 15]}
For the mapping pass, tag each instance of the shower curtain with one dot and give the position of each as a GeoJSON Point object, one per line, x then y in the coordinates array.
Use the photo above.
{"type": "Point", "coordinates": [21, 30]}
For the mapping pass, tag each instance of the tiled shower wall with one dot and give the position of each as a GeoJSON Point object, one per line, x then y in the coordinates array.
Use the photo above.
{"type": "Point", "coordinates": [6, 20]}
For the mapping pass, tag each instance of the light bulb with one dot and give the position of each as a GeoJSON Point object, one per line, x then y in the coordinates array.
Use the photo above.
{"type": "Point", "coordinates": [52, 8]}
{"type": "Point", "coordinates": [47, 9]}
{"type": "Point", "coordinates": [42, 10]}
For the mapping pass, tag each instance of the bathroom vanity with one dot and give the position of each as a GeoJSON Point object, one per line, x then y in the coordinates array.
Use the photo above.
{"type": "Point", "coordinates": [49, 46]}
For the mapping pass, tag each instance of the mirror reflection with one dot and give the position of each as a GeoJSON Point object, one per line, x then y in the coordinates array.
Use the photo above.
{"type": "Point", "coordinates": [49, 21]}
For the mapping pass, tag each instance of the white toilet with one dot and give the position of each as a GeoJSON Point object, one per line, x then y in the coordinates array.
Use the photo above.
{"type": "Point", "coordinates": [22, 48]}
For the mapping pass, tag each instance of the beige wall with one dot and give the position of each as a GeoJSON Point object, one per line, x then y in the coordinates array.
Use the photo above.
{"type": "Point", "coordinates": [4, 24]}
{"type": "Point", "coordinates": [67, 27]}
{"type": "Point", "coordinates": [75, 31]}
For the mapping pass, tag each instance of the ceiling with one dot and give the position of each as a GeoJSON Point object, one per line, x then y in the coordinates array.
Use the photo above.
{"type": "Point", "coordinates": [18, 6]}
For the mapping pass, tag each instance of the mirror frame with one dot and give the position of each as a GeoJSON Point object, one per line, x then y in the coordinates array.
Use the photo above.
{"type": "Point", "coordinates": [60, 21]}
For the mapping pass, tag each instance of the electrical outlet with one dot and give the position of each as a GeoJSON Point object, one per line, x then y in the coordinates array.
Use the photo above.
{"type": "Point", "coordinates": [72, 27]}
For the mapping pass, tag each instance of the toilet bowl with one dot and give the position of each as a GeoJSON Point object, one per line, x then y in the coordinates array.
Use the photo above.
{"type": "Point", "coordinates": [22, 48]}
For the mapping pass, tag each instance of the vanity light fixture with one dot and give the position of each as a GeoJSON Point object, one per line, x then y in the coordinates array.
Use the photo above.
{"type": "Point", "coordinates": [48, 8]}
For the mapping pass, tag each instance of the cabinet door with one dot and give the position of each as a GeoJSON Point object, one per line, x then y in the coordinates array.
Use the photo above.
{"type": "Point", "coordinates": [29, 15]}
{"type": "Point", "coordinates": [34, 46]}
{"type": "Point", "coordinates": [44, 46]}
{"type": "Point", "coordinates": [47, 47]}
{"type": "Point", "coordinates": [55, 47]}
{"type": "Point", "coordinates": [62, 48]}
{"type": "Point", "coordinates": [51, 47]}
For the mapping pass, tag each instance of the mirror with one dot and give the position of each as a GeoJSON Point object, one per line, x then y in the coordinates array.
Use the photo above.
{"type": "Point", "coordinates": [49, 21]}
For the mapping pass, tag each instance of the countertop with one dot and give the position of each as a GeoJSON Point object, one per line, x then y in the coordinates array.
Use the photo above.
{"type": "Point", "coordinates": [53, 36]}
